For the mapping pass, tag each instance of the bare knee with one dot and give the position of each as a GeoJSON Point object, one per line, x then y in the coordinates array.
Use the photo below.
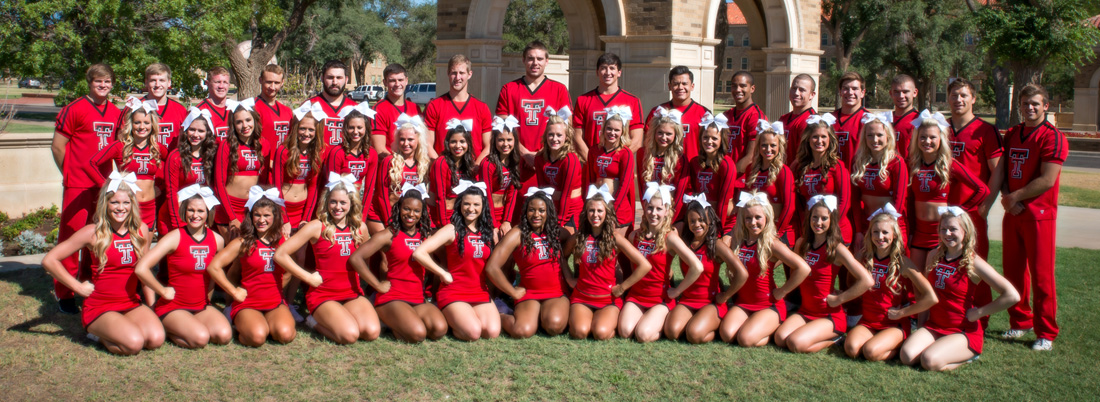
{"type": "Point", "coordinates": [283, 334]}
{"type": "Point", "coordinates": [852, 350]}
{"type": "Point", "coordinates": [745, 340]}
{"type": "Point", "coordinates": [931, 363]}
{"type": "Point", "coordinates": [696, 337]}
{"type": "Point", "coordinates": [371, 332]}
{"type": "Point", "coordinates": [221, 335]}
{"type": "Point", "coordinates": [468, 332]}
{"type": "Point", "coordinates": [647, 336]}
{"type": "Point", "coordinates": [154, 340]}
{"type": "Point", "coordinates": [876, 353]}
{"type": "Point", "coordinates": [554, 325]}
{"type": "Point", "coordinates": [129, 345]}
{"type": "Point", "coordinates": [415, 334]}
{"type": "Point", "coordinates": [345, 336]}
{"type": "Point", "coordinates": [437, 330]}
{"type": "Point", "coordinates": [909, 357]}
{"type": "Point", "coordinates": [602, 333]}
{"type": "Point", "coordinates": [252, 337]}
{"type": "Point", "coordinates": [523, 331]}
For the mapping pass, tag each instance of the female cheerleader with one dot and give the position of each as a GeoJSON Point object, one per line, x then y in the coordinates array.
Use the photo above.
{"type": "Point", "coordinates": [557, 166]}
{"type": "Point", "coordinates": [769, 174]}
{"type": "Point", "coordinates": [191, 163]}
{"type": "Point", "coordinates": [820, 319]}
{"type": "Point", "coordinates": [356, 156]}
{"type": "Point", "coordinates": [455, 164]}
{"type": "Point", "coordinates": [932, 173]}
{"type": "Point", "coordinates": [879, 176]}
{"type": "Point", "coordinates": [821, 172]}
{"type": "Point", "coordinates": [400, 300]}
{"type": "Point", "coordinates": [596, 300]}
{"type": "Point", "coordinates": [953, 333]}
{"type": "Point", "coordinates": [501, 170]}
{"type": "Point", "coordinates": [698, 312]}
{"type": "Point", "coordinates": [760, 307]}
{"type": "Point", "coordinates": [136, 150]}
{"type": "Point", "coordinates": [258, 309]}
{"type": "Point", "coordinates": [295, 167]}
{"type": "Point", "coordinates": [335, 301]}
{"type": "Point", "coordinates": [883, 325]}
{"type": "Point", "coordinates": [611, 164]}
{"type": "Point", "coordinates": [714, 173]}
{"type": "Point", "coordinates": [649, 301]}
{"type": "Point", "coordinates": [662, 159]}
{"type": "Point", "coordinates": [189, 319]}
{"type": "Point", "coordinates": [241, 163]}
{"type": "Point", "coordinates": [535, 246]}
{"type": "Point", "coordinates": [408, 164]}
{"type": "Point", "coordinates": [112, 314]}
{"type": "Point", "coordinates": [468, 239]}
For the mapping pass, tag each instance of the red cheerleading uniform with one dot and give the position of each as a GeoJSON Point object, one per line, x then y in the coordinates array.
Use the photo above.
{"type": "Point", "coordinates": [927, 187]}
{"type": "Point", "coordinates": [441, 187]}
{"type": "Point", "coordinates": [680, 179]}
{"type": "Point", "coordinates": [758, 293]}
{"type": "Point", "coordinates": [220, 118]}
{"type": "Point", "coordinates": [176, 178]}
{"type": "Point", "coordinates": [881, 298]}
{"type": "Point", "coordinates": [691, 115]}
{"type": "Point", "coordinates": [903, 132]}
{"type": "Point", "coordinates": [595, 277]}
{"type": "Point", "coordinates": [248, 164]}
{"type": "Point", "coordinates": [385, 117]}
{"type": "Point", "coordinates": [517, 99]}
{"type": "Point", "coordinates": [590, 112]}
{"type": "Point", "coordinates": [719, 185]}
{"type": "Point", "coordinates": [780, 193]}
{"type": "Point", "coordinates": [333, 132]}
{"type": "Point", "coordinates": [171, 116]}
{"type": "Point", "coordinates": [381, 209]}
{"type": "Point", "coordinates": [973, 145]}
{"type": "Point", "coordinates": [187, 273]}
{"type": "Point", "coordinates": [955, 292]}
{"type": "Point", "coordinates": [274, 120]}
{"type": "Point", "coordinates": [896, 185]}
{"type": "Point", "coordinates": [363, 166]}
{"type": "Point", "coordinates": [617, 164]}
{"type": "Point", "coordinates": [499, 184]}
{"type": "Point", "coordinates": [339, 281]}
{"type": "Point", "coordinates": [564, 175]}
{"type": "Point", "coordinates": [652, 289]}
{"type": "Point", "coordinates": [141, 163]}
{"type": "Point", "coordinates": [468, 284]}
{"type": "Point", "coordinates": [847, 129]}
{"type": "Point", "coordinates": [261, 277]}
{"type": "Point", "coordinates": [818, 285]}
{"type": "Point", "coordinates": [539, 272]}
{"type": "Point", "coordinates": [116, 284]}
{"type": "Point", "coordinates": [704, 290]}
{"type": "Point", "coordinates": [406, 276]}
{"type": "Point", "coordinates": [794, 125]}
{"type": "Point", "coordinates": [1029, 238]}
{"type": "Point", "coordinates": [835, 183]}
{"type": "Point", "coordinates": [742, 129]}
{"type": "Point", "coordinates": [442, 109]}
{"type": "Point", "coordinates": [301, 211]}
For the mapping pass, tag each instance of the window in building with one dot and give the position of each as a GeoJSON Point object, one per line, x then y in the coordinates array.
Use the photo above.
{"type": "Point", "coordinates": [825, 39]}
{"type": "Point", "coordinates": [745, 40]}
{"type": "Point", "coordinates": [729, 63]}
{"type": "Point", "coordinates": [729, 85]}
{"type": "Point", "coordinates": [823, 64]}
{"type": "Point", "coordinates": [744, 63]}
{"type": "Point", "coordinates": [730, 41]}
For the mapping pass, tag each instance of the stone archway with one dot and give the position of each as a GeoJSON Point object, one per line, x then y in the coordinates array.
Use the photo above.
{"type": "Point", "coordinates": [1086, 97]}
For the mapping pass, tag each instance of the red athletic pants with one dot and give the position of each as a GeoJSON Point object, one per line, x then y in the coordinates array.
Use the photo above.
{"type": "Point", "coordinates": [1029, 265]}
{"type": "Point", "coordinates": [985, 293]}
{"type": "Point", "coordinates": [77, 208]}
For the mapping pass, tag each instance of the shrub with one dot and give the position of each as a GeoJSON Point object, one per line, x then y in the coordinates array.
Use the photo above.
{"type": "Point", "coordinates": [52, 237]}
{"type": "Point", "coordinates": [30, 221]}
{"type": "Point", "coordinates": [31, 243]}
{"type": "Point", "coordinates": [3, 217]}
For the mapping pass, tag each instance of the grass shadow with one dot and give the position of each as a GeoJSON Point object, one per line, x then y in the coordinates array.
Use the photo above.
{"type": "Point", "coordinates": [36, 285]}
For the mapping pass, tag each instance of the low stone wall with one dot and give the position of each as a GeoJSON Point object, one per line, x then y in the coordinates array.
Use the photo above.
{"type": "Point", "coordinates": [29, 178]}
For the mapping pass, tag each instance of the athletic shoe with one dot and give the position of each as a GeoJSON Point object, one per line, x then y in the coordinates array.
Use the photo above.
{"type": "Point", "coordinates": [973, 359]}
{"type": "Point", "coordinates": [68, 306]}
{"type": "Point", "coordinates": [311, 322]}
{"type": "Point", "coordinates": [839, 338]}
{"type": "Point", "coordinates": [1043, 345]}
{"type": "Point", "coordinates": [93, 338]}
{"type": "Point", "coordinates": [294, 313]}
{"type": "Point", "coordinates": [502, 306]}
{"type": "Point", "coordinates": [1015, 333]}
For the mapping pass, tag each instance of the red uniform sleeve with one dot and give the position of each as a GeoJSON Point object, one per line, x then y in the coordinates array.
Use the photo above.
{"type": "Point", "coordinates": [431, 116]}
{"type": "Point", "coordinates": [381, 186]}
{"type": "Point", "coordinates": [172, 186]}
{"type": "Point", "coordinates": [899, 179]}
{"type": "Point", "coordinates": [1055, 148]}
{"type": "Point", "coordinates": [440, 180]}
{"type": "Point", "coordinates": [268, 152]}
{"type": "Point", "coordinates": [487, 172]}
{"type": "Point", "coordinates": [856, 213]}
{"type": "Point", "coordinates": [648, 117]}
{"type": "Point", "coordinates": [681, 180]}
{"type": "Point", "coordinates": [504, 102]}
{"type": "Point", "coordinates": [750, 132]}
{"type": "Point", "coordinates": [784, 187]}
{"type": "Point", "coordinates": [842, 184]}
{"type": "Point", "coordinates": [101, 162]}
{"type": "Point", "coordinates": [221, 177]}
{"type": "Point", "coordinates": [636, 110]}
{"type": "Point", "coordinates": [511, 197]}
{"type": "Point", "coordinates": [992, 145]}
{"type": "Point", "coordinates": [626, 182]}
{"type": "Point", "coordinates": [369, 180]}
{"type": "Point", "coordinates": [728, 172]}
{"type": "Point", "coordinates": [579, 114]}
{"type": "Point", "coordinates": [65, 121]}
{"type": "Point", "coordinates": [563, 97]}
{"type": "Point", "coordinates": [979, 190]}
{"type": "Point", "coordinates": [278, 169]}
{"type": "Point", "coordinates": [572, 181]}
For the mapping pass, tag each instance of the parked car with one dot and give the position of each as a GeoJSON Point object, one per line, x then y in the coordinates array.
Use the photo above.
{"type": "Point", "coordinates": [30, 83]}
{"type": "Point", "coordinates": [367, 92]}
{"type": "Point", "coordinates": [420, 93]}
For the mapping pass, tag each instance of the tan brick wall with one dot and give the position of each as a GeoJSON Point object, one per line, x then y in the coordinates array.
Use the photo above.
{"type": "Point", "coordinates": [451, 19]}
{"type": "Point", "coordinates": [648, 17]}
{"type": "Point", "coordinates": [689, 17]}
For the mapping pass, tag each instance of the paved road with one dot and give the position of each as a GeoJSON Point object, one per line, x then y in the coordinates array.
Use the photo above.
{"type": "Point", "coordinates": [1083, 159]}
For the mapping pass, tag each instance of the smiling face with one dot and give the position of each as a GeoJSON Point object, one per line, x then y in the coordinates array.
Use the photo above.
{"type": "Point", "coordinates": [119, 206]}
{"type": "Point", "coordinates": [195, 213]}
{"type": "Point", "coordinates": [555, 136]}
{"type": "Point", "coordinates": [243, 124]}
{"type": "Point", "coordinates": [664, 134]}
{"type": "Point", "coordinates": [655, 211]}
{"type": "Point", "coordinates": [961, 101]}
{"type": "Point", "coordinates": [681, 88]}
{"type": "Point", "coordinates": [710, 140]}
{"type": "Point", "coordinates": [197, 132]}
{"type": "Point", "coordinates": [407, 141]}
{"type": "Point", "coordinates": [596, 212]}
{"type": "Point", "coordinates": [458, 76]}
{"type": "Point", "coordinates": [100, 87]}
{"type": "Point", "coordinates": [395, 85]}
{"type": "Point", "coordinates": [355, 130]}
{"type": "Point", "coordinates": [768, 146]}
{"type": "Point", "coordinates": [819, 141]}
{"type": "Point", "coordinates": [875, 137]}
{"type": "Point", "coordinates": [742, 90]}
{"type": "Point", "coordinates": [801, 94]}
{"type": "Point", "coordinates": [882, 235]}
{"type": "Point", "coordinates": [609, 74]}
{"type": "Point", "coordinates": [339, 203]}
{"type": "Point", "coordinates": [141, 126]}
{"type": "Point", "coordinates": [756, 219]}
{"type": "Point", "coordinates": [852, 93]}
{"type": "Point", "coordinates": [903, 95]}
{"type": "Point", "coordinates": [536, 213]}
{"type": "Point", "coordinates": [952, 233]}
{"type": "Point", "coordinates": [697, 224]}
{"type": "Point", "coordinates": [157, 85]}
{"type": "Point", "coordinates": [470, 207]}
{"type": "Point", "coordinates": [612, 132]}
{"type": "Point", "coordinates": [218, 86]}
{"type": "Point", "coordinates": [307, 131]}
{"type": "Point", "coordinates": [270, 84]}
{"type": "Point", "coordinates": [457, 144]}
{"type": "Point", "coordinates": [411, 210]}
{"type": "Point", "coordinates": [262, 218]}
{"type": "Point", "coordinates": [504, 143]}
{"type": "Point", "coordinates": [534, 63]}
{"type": "Point", "coordinates": [928, 139]}
{"type": "Point", "coordinates": [1034, 109]}
{"type": "Point", "coordinates": [819, 220]}
{"type": "Point", "coordinates": [334, 80]}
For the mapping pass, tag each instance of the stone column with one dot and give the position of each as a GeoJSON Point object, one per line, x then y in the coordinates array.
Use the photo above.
{"type": "Point", "coordinates": [783, 64]}
{"type": "Point", "coordinates": [647, 60]}
{"type": "Point", "coordinates": [486, 56]}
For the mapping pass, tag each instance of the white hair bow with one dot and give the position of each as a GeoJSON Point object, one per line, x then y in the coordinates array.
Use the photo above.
{"type": "Point", "coordinates": [196, 113]}
{"type": "Point", "coordinates": [248, 104]}
{"type": "Point", "coordinates": [927, 117]}
{"type": "Point", "coordinates": [701, 199]}
{"type": "Point", "coordinates": [763, 125]}
{"type": "Point", "coordinates": [313, 108]}
{"type": "Point", "coordinates": [549, 191]}
{"type": "Point", "coordinates": [622, 111]}
{"type": "Point", "coordinates": [674, 115]}
{"type": "Point", "coordinates": [118, 178]}
{"type": "Point", "coordinates": [335, 179]}
{"type": "Point", "coordinates": [255, 193]}
{"type": "Point", "coordinates": [464, 185]}
{"type": "Point", "coordinates": [720, 121]}
{"type": "Point", "coordinates": [405, 188]}
{"type": "Point", "coordinates": [829, 200]}
{"type": "Point", "coordinates": [745, 197]}
{"type": "Point", "coordinates": [503, 124]}
{"type": "Point", "coordinates": [953, 210]}
{"type": "Point", "coordinates": [664, 190]}
{"type": "Point", "coordinates": [363, 108]}
{"type": "Point", "coordinates": [415, 121]}
{"type": "Point", "coordinates": [467, 124]}
{"type": "Point", "coordinates": [564, 112]}
{"type": "Point", "coordinates": [886, 117]}
{"type": "Point", "coordinates": [602, 191]}
{"type": "Point", "coordinates": [886, 209]}
{"type": "Point", "coordinates": [148, 106]}
{"type": "Point", "coordinates": [828, 118]}
{"type": "Point", "coordinates": [205, 192]}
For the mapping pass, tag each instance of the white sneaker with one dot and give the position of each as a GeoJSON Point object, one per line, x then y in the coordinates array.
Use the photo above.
{"type": "Point", "coordinates": [294, 313]}
{"type": "Point", "coordinates": [1042, 345]}
{"type": "Point", "coordinates": [1015, 333]}
{"type": "Point", "coordinates": [93, 338]}
{"type": "Point", "coordinates": [310, 321]}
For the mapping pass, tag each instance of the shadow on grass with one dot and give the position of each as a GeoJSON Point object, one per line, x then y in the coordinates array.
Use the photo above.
{"type": "Point", "coordinates": [36, 284]}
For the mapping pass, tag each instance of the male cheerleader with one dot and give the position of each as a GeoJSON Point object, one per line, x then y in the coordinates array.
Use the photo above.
{"type": "Point", "coordinates": [334, 79]}
{"type": "Point", "coordinates": [590, 110]}
{"type": "Point", "coordinates": [217, 88]}
{"type": "Point", "coordinates": [681, 83]}
{"type": "Point", "coordinates": [158, 79]}
{"type": "Point", "coordinates": [801, 95]}
{"type": "Point", "coordinates": [392, 106]}
{"type": "Point", "coordinates": [527, 98]}
{"type": "Point", "coordinates": [849, 117]}
{"type": "Point", "coordinates": [903, 91]}
{"type": "Point", "coordinates": [274, 115]}
{"type": "Point", "coordinates": [743, 118]}
{"type": "Point", "coordinates": [457, 103]}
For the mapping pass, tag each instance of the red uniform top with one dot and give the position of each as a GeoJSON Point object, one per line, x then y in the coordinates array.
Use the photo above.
{"type": "Point", "coordinates": [89, 129]}
{"type": "Point", "coordinates": [338, 280]}
{"type": "Point", "coordinates": [248, 164]}
{"type": "Point", "coordinates": [794, 125]}
{"type": "Point", "coordinates": [652, 289]}
{"type": "Point", "coordinates": [903, 132]}
{"type": "Point", "coordinates": [499, 184]}
{"type": "Point", "coordinates": [220, 118]}
{"type": "Point", "coordinates": [595, 277]}
{"type": "Point", "coordinates": [187, 272]}
{"type": "Point", "coordinates": [280, 176]}
{"type": "Point", "coordinates": [517, 99]}
{"type": "Point", "coordinates": [756, 294]}
{"type": "Point", "coordinates": [973, 145]}
{"type": "Point", "coordinates": [680, 179]}
{"type": "Point", "coordinates": [896, 185]}
{"type": "Point", "coordinates": [1028, 149]}
{"type": "Point", "coordinates": [363, 166]}
{"type": "Point", "coordinates": [406, 276]}
{"type": "Point", "coordinates": [140, 163]}
{"type": "Point", "coordinates": [780, 193]}
{"type": "Point", "coordinates": [116, 284]}
{"type": "Point", "coordinates": [703, 290]}
{"type": "Point", "coordinates": [177, 178]}
{"type": "Point", "coordinates": [442, 109]}
{"type": "Point", "coordinates": [468, 284]}
{"type": "Point", "coordinates": [835, 183]}
{"type": "Point", "coordinates": [385, 118]}
{"type": "Point", "coordinates": [333, 132]}
{"type": "Point", "coordinates": [742, 129]}
{"type": "Point", "coordinates": [847, 128]}
{"type": "Point", "coordinates": [539, 272]}
{"type": "Point", "coordinates": [381, 209]}
{"type": "Point", "coordinates": [880, 298]}
{"type": "Point", "coordinates": [719, 185]}
{"type": "Point", "coordinates": [171, 117]}
{"type": "Point", "coordinates": [618, 164]}
{"type": "Point", "coordinates": [261, 277]}
{"type": "Point", "coordinates": [564, 175]}
{"type": "Point", "coordinates": [955, 292]}
{"type": "Point", "coordinates": [819, 284]}
{"type": "Point", "coordinates": [927, 187]}
{"type": "Point", "coordinates": [441, 185]}
{"type": "Point", "coordinates": [590, 113]}
{"type": "Point", "coordinates": [274, 120]}
{"type": "Point", "coordinates": [691, 115]}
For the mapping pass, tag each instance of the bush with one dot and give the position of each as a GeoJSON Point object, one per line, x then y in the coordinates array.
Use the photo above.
{"type": "Point", "coordinates": [52, 237]}
{"type": "Point", "coordinates": [31, 243]}
{"type": "Point", "coordinates": [3, 217]}
{"type": "Point", "coordinates": [30, 221]}
{"type": "Point", "coordinates": [1, 248]}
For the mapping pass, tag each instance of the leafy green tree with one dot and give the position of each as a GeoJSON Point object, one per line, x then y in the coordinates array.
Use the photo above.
{"type": "Point", "coordinates": [848, 22]}
{"type": "Point", "coordinates": [413, 23]}
{"type": "Point", "coordinates": [530, 20]}
{"type": "Point", "coordinates": [352, 34]}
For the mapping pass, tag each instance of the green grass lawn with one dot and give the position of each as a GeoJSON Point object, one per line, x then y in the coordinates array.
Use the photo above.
{"type": "Point", "coordinates": [22, 128]}
{"type": "Point", "coordinates": [44, 355]}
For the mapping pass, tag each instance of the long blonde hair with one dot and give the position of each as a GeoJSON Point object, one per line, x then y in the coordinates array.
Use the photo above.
{"type": "Point", "coordinates": [354, 216]}
{"type": "Point", "coordinates": [672, 153]}
{"type": "Point", "coordinates": [397, 163]}
{"type": "Point", "coordinates": [942, 165]}
{"type": "Point", "coordinates": [660, 231]}
{"type": "Point", "coordinates": [758, 160]}
{"type": "Point", "coordinates": [624, 138]}
{"type": "Point", "coordinates": [864, 156]}
{"type": "Point", "coordinates": [126, 136]}
{"type": "Point", "coordinates": [767, 236]}
{"type": "Point", "coordinates": [969, 243]}
{"type": "Point", "coordinates": [896, 253]}
{"type": "Point", "coordinates": [104, 234]}
{"type": "Point", "coordinates": [567, 145]}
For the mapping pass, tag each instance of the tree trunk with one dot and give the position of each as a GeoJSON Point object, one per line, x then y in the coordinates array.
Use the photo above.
{"type": "Point", "coordinates": [1003, 101]}
{"type": "Point", "coordinates": [1022, 75]}
{"type": "Point", "coordinates": [721, 31]}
